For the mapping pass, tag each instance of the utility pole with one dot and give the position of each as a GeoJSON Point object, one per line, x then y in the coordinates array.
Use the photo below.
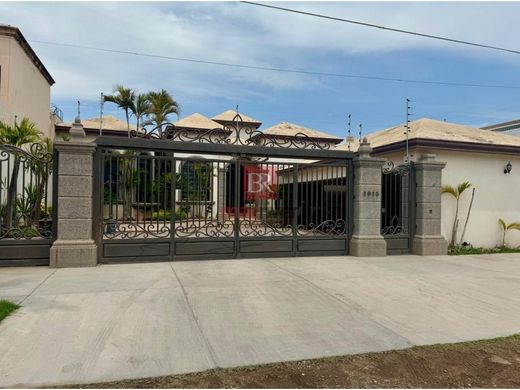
{"type": "Point", "coordinates": [102, 101]}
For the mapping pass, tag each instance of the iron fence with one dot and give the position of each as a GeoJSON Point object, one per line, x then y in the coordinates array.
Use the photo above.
{"type": "Point", "coordinates": [26, 214]}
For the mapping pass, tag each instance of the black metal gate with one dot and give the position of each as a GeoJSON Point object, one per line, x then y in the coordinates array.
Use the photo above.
{"type": "Point", "coordinates": [26, 216]}
{"type": "Point", "coordinates": [174, 199]}
{"type": "Point", "coordinates": [398, 207]}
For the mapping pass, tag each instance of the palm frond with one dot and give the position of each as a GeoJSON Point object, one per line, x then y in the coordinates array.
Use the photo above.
{"type": "Point", "coordinates": [463, 187]}
{"type": "Point", "coordinates": [513, 226]}
{"type": "Point", "coordinates": [447, 189]}
{"type": "Point", "coordinates": [502, 223]}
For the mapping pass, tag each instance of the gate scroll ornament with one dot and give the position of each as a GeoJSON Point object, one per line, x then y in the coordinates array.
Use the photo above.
{"type": "Point", "coordinates": [238, 133]}
{"type": "Point", "coordinates": [24, 178]}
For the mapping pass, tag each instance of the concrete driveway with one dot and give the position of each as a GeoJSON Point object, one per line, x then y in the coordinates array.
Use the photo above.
{"type": "Point", "coordinates": [127, 321]}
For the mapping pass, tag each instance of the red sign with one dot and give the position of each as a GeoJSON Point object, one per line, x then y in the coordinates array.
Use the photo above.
{"type": "Point", "coordinates": [259, 182]}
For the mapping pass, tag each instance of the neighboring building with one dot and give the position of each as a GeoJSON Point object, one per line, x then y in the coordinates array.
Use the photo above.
{"type": "Point", "coordinates": [510, 128]}
{"type": "Point", "coordinates": [471, 154]}
{"type": "Point", "coordinates": [93, 127]}
{"type": "Point", "coordinates": [25, 83]}
{"type": "Point", "coordinates": [227, 117]}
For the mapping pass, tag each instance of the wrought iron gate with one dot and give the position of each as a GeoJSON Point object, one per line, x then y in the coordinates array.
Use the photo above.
{"type": "Point", "coordinates": [398, 207]}
{"type": "Point", "coordinates": [26, 216]}
{"type": "Point", "coordinates": [159, 199]}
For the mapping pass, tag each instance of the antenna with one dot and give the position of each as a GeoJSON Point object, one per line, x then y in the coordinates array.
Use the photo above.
{"type": "Point", "coordinates": [102, 101]}
{"type": "Point", "coordinates": [349, 136]}
{"type": "Point", "coordinates": [407, 131]}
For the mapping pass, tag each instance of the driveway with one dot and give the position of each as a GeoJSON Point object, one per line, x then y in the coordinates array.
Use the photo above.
{"type": "Point", "coordinates": [138, 320]}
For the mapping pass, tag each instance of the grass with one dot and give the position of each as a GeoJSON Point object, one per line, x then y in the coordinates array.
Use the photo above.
{"type": "Point", "coordinates": [7, 308]}
{"type": "Point", "coordinates": [468, 250]}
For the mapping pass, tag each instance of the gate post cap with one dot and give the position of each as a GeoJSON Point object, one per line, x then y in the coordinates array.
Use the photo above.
{"type": "Point", "coordinates": [364, 149]}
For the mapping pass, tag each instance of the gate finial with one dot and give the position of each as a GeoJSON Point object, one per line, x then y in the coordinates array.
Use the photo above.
{"type": "Point", "coordinates": [364, 149]}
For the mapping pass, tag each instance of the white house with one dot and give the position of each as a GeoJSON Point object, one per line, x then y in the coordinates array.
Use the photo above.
{"type": "Point", "coordinates": [482, 157]}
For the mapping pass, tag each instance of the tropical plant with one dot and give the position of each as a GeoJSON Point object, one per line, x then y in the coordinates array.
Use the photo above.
{"type": "Point", "coordinates": [162, 104]}
{"type": "Point", "coordinates": [124, 98]}
{"type": "Point", "coordinates": [140, 108]}
{"type": "Point", "coordinates": [17, 135]}
{"type": "Point", "coordinates": [456, 192]}
{"type": "Point", "coordinates": [41, 171]}
{"type": "Point", "coordinates": [128, 177]}
{"type": "Point", "coordinates": [506, 227]}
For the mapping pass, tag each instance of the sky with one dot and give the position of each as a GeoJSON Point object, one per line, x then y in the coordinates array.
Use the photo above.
{"type": "Point", "coordinates": [235, 32]}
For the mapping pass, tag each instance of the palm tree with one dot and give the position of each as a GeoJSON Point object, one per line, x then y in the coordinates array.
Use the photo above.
{"type": "Point", "coordinates": [506, 227]}
{"type": "Point", "coordinates": [124, 98]}
{"type": "Point", "coordinates": [18, 135]}
{"type": "Point", "coordinates": [456, 193]}
{"type": "Point", "coordinates": [162, 104]}
{"type": "Point", "coordinates": [141, 108]}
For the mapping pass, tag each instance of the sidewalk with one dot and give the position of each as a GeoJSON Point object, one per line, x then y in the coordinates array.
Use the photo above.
{"type": "Point", "coordinates": [139, 320]}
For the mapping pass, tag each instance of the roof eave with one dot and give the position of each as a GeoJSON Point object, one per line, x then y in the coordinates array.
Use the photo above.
{"type": "Point", "coordinates": [15, 33]}
{"type": "Point", "coordinates": [447, 145]}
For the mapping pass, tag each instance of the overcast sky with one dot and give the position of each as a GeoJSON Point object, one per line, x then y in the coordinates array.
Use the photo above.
{"type": "Point", "coordinates": [245, 34]}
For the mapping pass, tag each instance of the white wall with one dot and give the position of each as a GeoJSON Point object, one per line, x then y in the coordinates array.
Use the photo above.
{"type": "Point", "coordinates": [497, 195]}
{"type": "Point", "coordinates": [23, 89]}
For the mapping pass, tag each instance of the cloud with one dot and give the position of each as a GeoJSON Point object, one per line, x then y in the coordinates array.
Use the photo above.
{"type": "Point", "coordinates": [237, 33]}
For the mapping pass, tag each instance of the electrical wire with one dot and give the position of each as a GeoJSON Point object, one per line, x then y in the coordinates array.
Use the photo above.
{"type": "Point", "coordinates": [431, 36]}
{"type": "Point", "coordinates": [275, 69]}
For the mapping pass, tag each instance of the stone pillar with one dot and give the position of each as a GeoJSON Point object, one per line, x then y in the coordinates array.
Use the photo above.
{"type": "Point", "coordinates": [428, 239]}
{"type": "Point", "coordinates": [74, 246]}
{"type": "Point", "coordinates": [366, 235]}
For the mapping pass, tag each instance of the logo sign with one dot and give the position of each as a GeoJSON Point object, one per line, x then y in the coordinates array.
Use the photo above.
{"type": "Point", "coordinates": [259, 182]}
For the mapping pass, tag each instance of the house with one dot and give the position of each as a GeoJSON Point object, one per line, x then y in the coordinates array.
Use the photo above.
{"type": "Point", "coordinates": [510, 127]}
{"type": "Point", "coordinates": [25, 83]}
{"type": "Point", "coordinates": [94, 127]}
{"type": "Point", "coordinates": [490, 160]}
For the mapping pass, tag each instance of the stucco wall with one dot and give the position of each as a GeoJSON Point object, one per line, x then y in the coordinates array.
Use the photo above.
{"type": "Point", "coordinates": [23, 89]}
{"type": "Point", "coordinates": [497, 195]}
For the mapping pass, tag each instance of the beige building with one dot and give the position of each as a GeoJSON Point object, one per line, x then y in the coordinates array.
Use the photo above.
{"type": "Point", "coordinates": [471, 154]}
{"type": "Point", "coordinates": [25, 83]}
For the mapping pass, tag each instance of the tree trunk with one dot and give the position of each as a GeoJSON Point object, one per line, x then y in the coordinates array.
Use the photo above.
{"type": "Point", "coordinates": [455, 224]}
{"type": "Point", "coordinates": [11, 193]}
{"type": "Point", "coordinates": [127, 123]}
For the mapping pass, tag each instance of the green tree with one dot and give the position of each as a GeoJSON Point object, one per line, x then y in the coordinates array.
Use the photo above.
{"type": "Point", "coordinates": [162, 104]}
{"type": "Point", "coordinates": [17, 135]}
{"type": "Point", "coordinates": [124, 98]}
{"type": "Point", "coordinates": [140, 108]}
{"type": "Point", "coordinates": [456, 193]}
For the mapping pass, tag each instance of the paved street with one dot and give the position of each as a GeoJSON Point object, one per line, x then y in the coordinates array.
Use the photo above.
{"type": "Point", "coordinates": [138, 320]}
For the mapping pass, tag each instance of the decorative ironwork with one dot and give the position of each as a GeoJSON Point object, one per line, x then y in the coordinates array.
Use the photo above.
{"type": "Point", "coordinates": [25, 209]}
{"type": "Point", "coordinates": [395, 199]}
{"type": "Point", "coordinates": [390, 168]}
{"type": "Point", "coordinates": [329, 228]}
{"type": "Point", "coordinates": [221, 205]}
{"type": "Point", "coordinates": [236, 133]}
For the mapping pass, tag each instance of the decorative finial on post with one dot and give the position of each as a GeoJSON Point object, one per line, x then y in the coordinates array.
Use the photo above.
{"type": "Point", "coordinates": [364, 149]}
{"type": "Point", "coordinates": [237, 109]}
{"type": "Point", "coordinates": [360, 131]}
{"type": "Point", "coordinates": [76, 131]}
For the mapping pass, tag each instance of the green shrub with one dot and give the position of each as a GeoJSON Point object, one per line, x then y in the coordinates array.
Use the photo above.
{"type": "Point", "coordinates": [165, 215]}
